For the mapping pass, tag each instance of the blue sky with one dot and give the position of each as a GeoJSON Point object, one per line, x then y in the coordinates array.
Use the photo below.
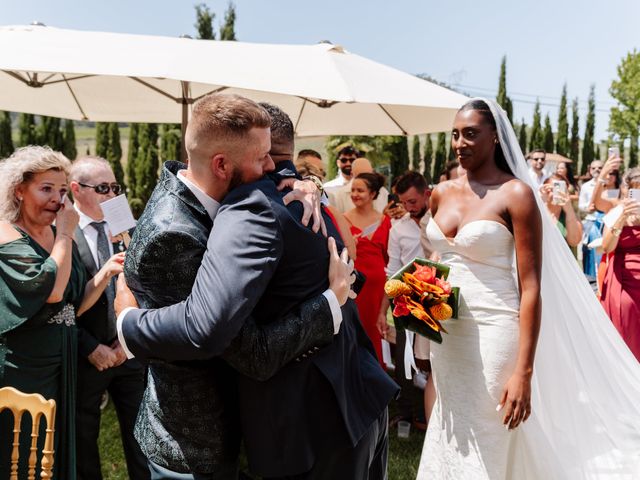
{"type": "Point", "coordinates": [547, 43]}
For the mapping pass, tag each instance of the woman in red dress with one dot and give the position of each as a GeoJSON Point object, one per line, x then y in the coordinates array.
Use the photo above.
{"type": "Point", "coordinates": [621, 286]}
{"type": "Point", "coordinates": [370, 228]}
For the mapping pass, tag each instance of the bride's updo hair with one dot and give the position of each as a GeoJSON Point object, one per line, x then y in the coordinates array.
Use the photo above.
{"type": "Point", "coordinates": [483, 109]}
{"type": "Point", "coordinates": [374, 181]}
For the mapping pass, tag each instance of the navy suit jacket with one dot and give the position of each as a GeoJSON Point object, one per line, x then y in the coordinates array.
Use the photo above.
{"type": "Point", "coordinates": [261, 260]}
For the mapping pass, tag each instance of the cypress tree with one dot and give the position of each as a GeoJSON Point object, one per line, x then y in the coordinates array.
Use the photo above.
{"type": "Point", "coordinates": [428, 157]}
{"type": "Point", "coordinates": [562, 142]}
{"type": "Point", "coordinates": [441, 155]}
{"type": "Point", "coordinates": [26, 130]}
{"type": "Point", "coordinates": [69, 140]}
{"type": "Point", "coordinates": [398, 149]}
{"type": "Point", "coordinates": [49, 133]}
{"type": "Point", "coordinates": [633, 153]}
{"type": "Point", "coordinates": [102, 139]}
{"type": "Point", "coordinates": [147, 162]}
{"type": "Point", "coordinates": [227, 31]}
{"type": "Point", "coordinates": [170, 142]}
{"type": "Point", "coordinates": [415, 153]}
{"type": "Point", "coordinates": [588, 148]}
{"type": "Point", "coordinates": [547, 135]}
{"type": "Point", "coordinates": [522, 137]}
{"type": "Point", "coordinates": [503, 100]}
{"type": "Point", "coordinates": [204, 22]}
{"type": "Point", "coordinates": [574, 146]}
{"type": "Point", "coordinates": [536, 140]}
{"type": "Point", "coordinates": [132, 155]}
{"type": "Point", "coordinates": [6, 142]}
{"type": "Point", "coordinates": [114, 152]}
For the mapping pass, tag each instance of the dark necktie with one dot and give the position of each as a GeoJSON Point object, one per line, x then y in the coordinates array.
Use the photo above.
{"type": "Point", "coordinates": [103, 257]}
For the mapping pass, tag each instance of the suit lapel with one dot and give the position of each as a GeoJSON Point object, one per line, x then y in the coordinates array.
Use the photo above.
{"type": "Point", "coordinates": [85, 252]}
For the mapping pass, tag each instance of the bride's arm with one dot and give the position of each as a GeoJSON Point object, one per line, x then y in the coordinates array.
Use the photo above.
{"type": "Point", "coordinates": [527, 231]}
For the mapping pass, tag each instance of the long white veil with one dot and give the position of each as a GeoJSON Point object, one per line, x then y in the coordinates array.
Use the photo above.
{"type": "Point", "coordinates": [586, 384]}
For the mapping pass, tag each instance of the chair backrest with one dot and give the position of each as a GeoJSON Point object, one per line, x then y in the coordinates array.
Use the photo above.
{"type": "Point", "coordinates": [38, 407]}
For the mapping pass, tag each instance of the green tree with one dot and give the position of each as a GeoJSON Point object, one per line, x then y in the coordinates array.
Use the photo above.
{"type": "Point", "coordinates": [398, 149]}
{"type": "Point", "coordinates": [503, 100]}
{"type": "Point", "coordinates": [625, 116]}
{"type": "Point", "coordinates": [204, 22]}
{"type": "Point", "coordinates": [441, 155]}
{"type": "Point", "coordinates": [428, 157]}
{"type": "Point", "coordinates": [574, 146]}
{"type": "Point", "coordinates": [102, 139]}
{"type": "Point", "coordinates": [170, 142]}
{"type": "Point", "coordinates": [132, 155]}
{"type": "Point", "coordinates": [522, 137]}
{"type": "Point", "coordinates": [69, 140]}
{"type": "Point", "coordinates": [114, 152]}
{"type": "Point", "coordinates": [26, 130]}
{"type": "Point", "coordinates": [547, 135]}
{"type": "Point", "coordinates": [588, 148]}
{"type": "Point", "coordinates": [562, 142]}
{"type": "Point", "coordinates": [415, 153]}
{"type": "Point", "coordinates": [537, 139]}
{"type": "Point", "coordinates": [633, 153]}
{"type": "Point", "coordinates": [227, 31]}
{"type": "Point", "coordinates": [147, 162]}
{"type": "Point", "coordinates": [49, 133]}
{"type": "Point", "coordinates": [6, 142]}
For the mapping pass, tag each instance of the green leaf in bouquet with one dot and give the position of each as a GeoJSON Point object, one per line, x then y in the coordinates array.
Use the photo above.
{"type": "Point", "coordinates": [411, 323]}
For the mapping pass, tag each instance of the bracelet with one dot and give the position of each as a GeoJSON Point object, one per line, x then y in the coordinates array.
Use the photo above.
{"type": "Point", "coordinates": [316, 180]}
{"type": "Point", "coordinates": [604, 183]}
{"type": "Point", "coordinates": [59, 234]}
{"type": "Point", "coordinates": [616, 231]}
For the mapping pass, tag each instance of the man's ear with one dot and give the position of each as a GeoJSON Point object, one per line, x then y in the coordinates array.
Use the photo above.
{"type": "Point", "coordinates": [74, 187]}
{"type": "Point", "coordinates": [220, 166]}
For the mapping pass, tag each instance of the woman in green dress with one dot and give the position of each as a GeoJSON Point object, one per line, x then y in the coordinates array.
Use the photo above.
{"type": "Point", "coordinates": [43, 288]}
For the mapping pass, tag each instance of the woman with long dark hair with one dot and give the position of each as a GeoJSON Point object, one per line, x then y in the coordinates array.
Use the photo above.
{"type": "Point", "coordinates": [531, 342]}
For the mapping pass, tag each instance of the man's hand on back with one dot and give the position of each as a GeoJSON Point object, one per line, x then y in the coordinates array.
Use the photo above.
{"type": "Point", "coordinates": [124, 297]}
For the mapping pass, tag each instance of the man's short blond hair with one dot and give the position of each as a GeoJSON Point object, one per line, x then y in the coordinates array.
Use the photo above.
{"type": "Point", "coordinates": [223, 117]}
{"type": "Point", "coordinates": [83, 168]}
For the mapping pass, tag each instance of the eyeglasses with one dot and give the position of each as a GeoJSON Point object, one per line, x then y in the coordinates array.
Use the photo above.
{"type": "Point", "coordinates": [537, 159]}
{"type": "Point", "coordinates": [103, 188]}
{"type": "Point", "coordinates": [346, 159]}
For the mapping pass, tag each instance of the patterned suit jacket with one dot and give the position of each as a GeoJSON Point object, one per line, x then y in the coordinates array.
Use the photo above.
{"type": "Point", "coordinates": [188, 420]}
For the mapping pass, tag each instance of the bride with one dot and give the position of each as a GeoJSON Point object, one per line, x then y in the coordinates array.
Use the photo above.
{"type": "Point", "coordinates": [568, 408]}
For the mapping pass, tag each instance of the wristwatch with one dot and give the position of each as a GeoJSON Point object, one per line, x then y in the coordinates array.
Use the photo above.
{"type": "Point", "coordinates": [316, 180]}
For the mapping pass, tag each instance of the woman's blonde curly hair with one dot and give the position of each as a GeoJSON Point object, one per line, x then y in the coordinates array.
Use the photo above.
{"type": "Point", "coordinates": [20, 168]}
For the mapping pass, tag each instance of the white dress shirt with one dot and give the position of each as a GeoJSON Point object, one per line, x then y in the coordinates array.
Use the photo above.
{"type": "Point", "coordinates": [538, 180]}
{"type": "Point", "coordinates": [91, 234]}
{"type": "Point", "coordinates": [335, 183]}
{"type": "Point", "coordinates": [586, 192]}
{"type": "Point", "coordinates": [212, 206]}
{"type": "Point", "coordinates": [404, 244]}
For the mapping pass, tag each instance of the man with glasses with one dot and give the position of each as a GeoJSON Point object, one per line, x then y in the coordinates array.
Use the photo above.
{"type": "Point", "coordinates": [592, 224]}
{"type": "Point", "coordinates": [537, 159]}
{"type": "Point", "coordinates": [102, 363]}
{"type": "Point", "coordinates": [346, 157]}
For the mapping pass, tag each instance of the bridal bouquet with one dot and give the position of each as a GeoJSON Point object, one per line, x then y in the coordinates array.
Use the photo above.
{"type": "Point", "coordinates": [422, 298]}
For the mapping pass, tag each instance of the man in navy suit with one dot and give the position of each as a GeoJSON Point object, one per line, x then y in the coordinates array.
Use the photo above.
{"type": "Point", "coordinates": [321, 416]}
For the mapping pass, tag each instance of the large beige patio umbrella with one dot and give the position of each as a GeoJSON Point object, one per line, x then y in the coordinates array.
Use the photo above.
{"type": "Point", "coordinates": [102, 76]}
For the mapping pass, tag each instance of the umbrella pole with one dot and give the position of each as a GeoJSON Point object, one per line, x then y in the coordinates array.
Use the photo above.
{"type": "Point", "coordinates": [185, 121]}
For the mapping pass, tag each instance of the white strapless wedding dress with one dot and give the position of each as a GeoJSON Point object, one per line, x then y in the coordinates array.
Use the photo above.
{"type": "Point", "coordinates": [466, 438]}
{"type": "Point", "coordinates": [565, 438]}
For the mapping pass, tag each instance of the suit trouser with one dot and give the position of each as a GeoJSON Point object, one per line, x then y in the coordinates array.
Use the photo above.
{"type": "Point", "coordinates": [125, 386]}
{"type": "Point", "coordinates": [366, 461]}
{"type": "Point", "coordinates": [405, 400]}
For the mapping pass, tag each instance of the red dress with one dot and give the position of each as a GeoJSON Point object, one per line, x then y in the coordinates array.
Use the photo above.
{"type": "Point", "coordinates": [621, 288]}
{"type": "Point", "coordinates": [371, 260]}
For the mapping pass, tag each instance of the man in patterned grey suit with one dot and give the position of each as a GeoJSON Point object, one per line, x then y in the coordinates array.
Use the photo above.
{"type": "Point", "coordinates": [188, 426]}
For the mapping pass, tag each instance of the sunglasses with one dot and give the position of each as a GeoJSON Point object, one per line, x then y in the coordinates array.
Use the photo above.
{"type": "Point", "coordinates": [346, 160]}
{"type": "Point", "coordinates": [103, 188]}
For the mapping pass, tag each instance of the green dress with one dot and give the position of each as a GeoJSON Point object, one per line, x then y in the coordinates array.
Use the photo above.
{"type": "Point", "coordinates": [38, 347]}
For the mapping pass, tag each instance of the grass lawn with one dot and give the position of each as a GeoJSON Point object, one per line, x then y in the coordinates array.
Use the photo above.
{"type": "Point", "coordinates": [404, 454]}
